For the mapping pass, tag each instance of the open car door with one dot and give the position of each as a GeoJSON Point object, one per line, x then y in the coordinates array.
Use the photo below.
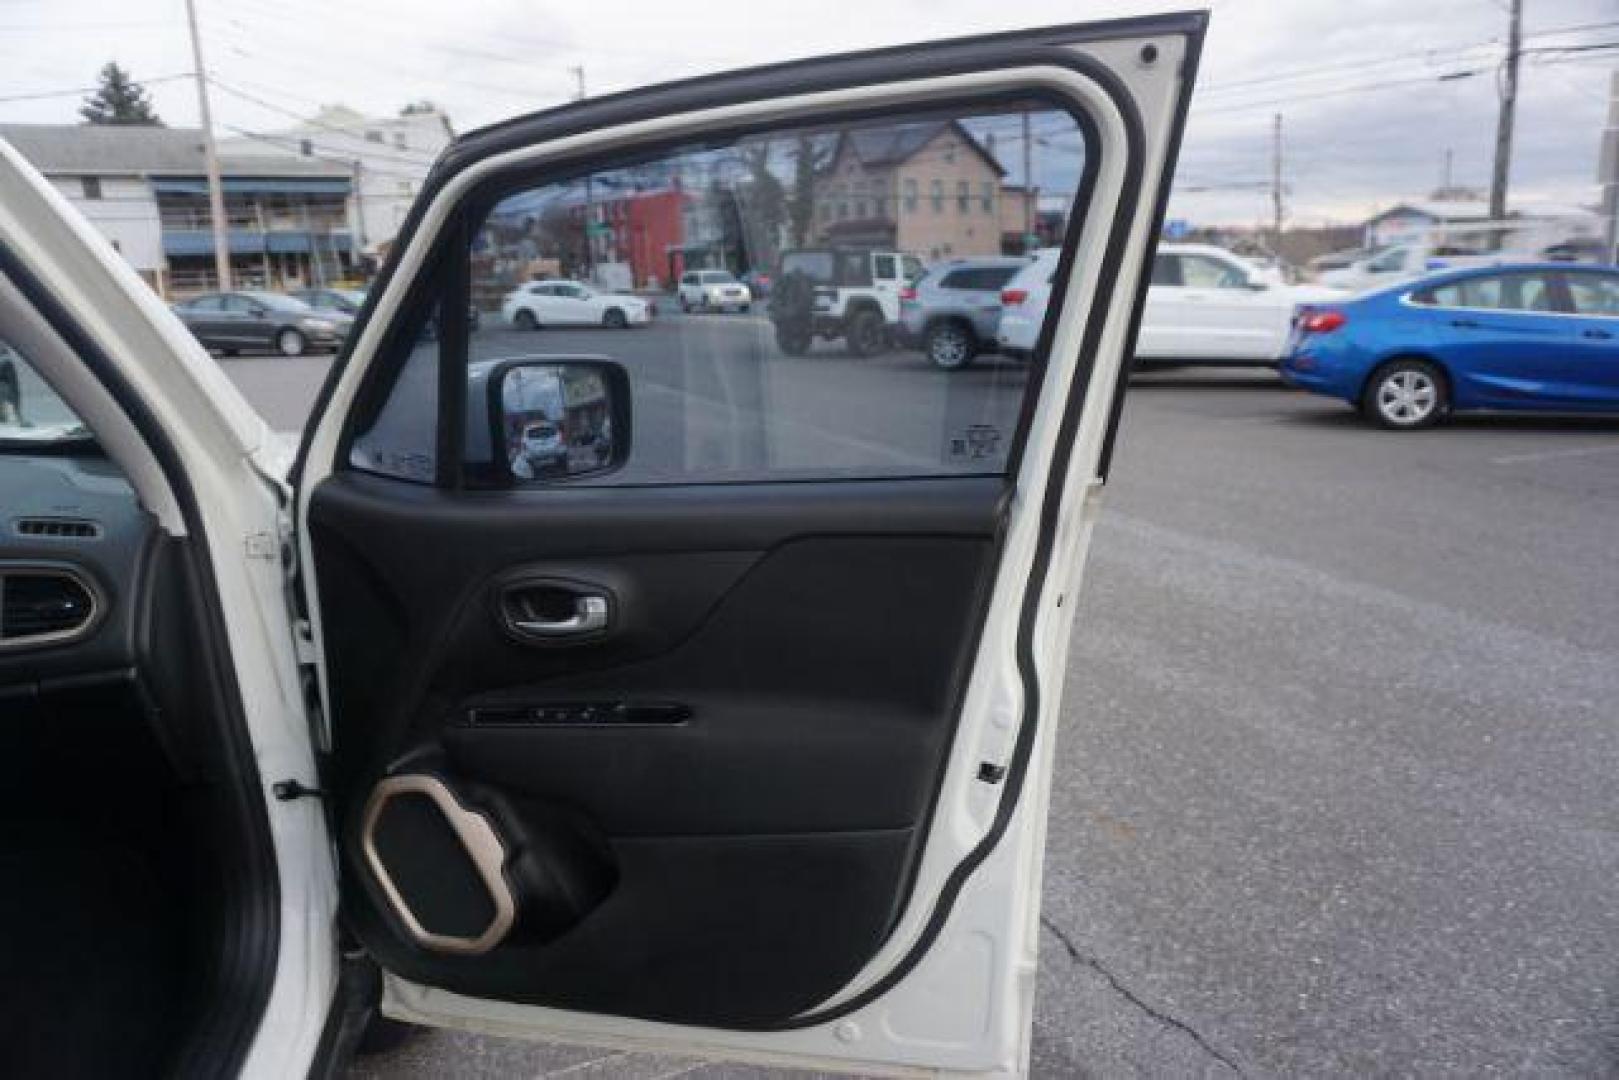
{"type": "Point", "coordinates": [691, 682]}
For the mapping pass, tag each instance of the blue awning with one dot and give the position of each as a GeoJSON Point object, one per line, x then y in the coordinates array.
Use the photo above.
{"type": "Point", "coordinates": [247, 185]}
{"type": "Point", "coordinates": [250, 242]}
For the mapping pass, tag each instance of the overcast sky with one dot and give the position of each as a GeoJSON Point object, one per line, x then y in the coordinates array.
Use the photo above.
{"type": "Point", "coordinates": [1367, 112]}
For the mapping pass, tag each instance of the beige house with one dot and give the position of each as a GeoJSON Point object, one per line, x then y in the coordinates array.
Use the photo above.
{"type": "Point", "coordinates": [927, 188]}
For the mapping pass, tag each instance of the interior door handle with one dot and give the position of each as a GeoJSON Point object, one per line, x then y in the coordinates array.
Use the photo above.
{"type": "Point", "coordinates": [589, 617]}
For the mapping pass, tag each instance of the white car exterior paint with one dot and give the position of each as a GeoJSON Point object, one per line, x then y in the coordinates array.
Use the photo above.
{"type": "Point", "coordinates": [571, 303]}
{"type": "Point", "coordinates": [966, 1008]}
{"type": "Point", "coordinates": [713, 289]}
{"type": "Point", "coordinates": [1204, 303]}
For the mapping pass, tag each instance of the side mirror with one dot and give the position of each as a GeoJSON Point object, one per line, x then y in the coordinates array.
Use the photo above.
{"type": "Point", "coordinates": [559, 419]}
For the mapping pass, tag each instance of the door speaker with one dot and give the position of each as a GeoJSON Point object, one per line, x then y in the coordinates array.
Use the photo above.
{"type": "Point", "coordinates": [440, 865]}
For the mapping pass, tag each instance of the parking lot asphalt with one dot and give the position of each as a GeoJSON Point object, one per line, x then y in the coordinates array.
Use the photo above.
{"type": "Point", "coordinates": [1335, 791]}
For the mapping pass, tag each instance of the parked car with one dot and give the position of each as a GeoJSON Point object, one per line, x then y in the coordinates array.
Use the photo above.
{"type": "Point", "coordinates": [1529, 337]}
{"type": "Point", "coordinates": [343, 301]}
{"type": "Point", "coordinates": [758, 283]}
{"type": "Point", "coordinates": [541, 450]}
{"type": "Point", "coordinates": [713, 290]}
{"type": "Point", "coordinates": [840, 292]}
{"type": "Point", "coordinates": [1590, 249]}
{"type": "Point", "coordinates": [233, 321]}
{"type": "Point", "coordinates": [572, 303]}
{"type": "Point", "coordinates": [655, 760]}
{"type": "Point", "coordinates": [1403, 262]}
{"type": "Point", "coordinates": [1204, 306]}
{"type": "Point", "coordinates": [953, 310]}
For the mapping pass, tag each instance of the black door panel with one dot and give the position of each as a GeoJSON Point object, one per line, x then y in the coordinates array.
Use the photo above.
{"type": "Point", "coordinates": [747, 753]}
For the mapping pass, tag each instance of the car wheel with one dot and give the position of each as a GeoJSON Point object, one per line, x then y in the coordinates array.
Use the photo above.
{"type": "Point", "coordinates": [949, 345]}
{"type": "Point", "coordinates": [685, 307]}
{"type": "Point", "coordinates": [794, 340]}
{"type": "Point", "coordinates": [865, 333]}
{"type": "Point", "coordinates": [614, 319]}
{"type": "Point", "coordinates": [1406, 394]}
{"type": "Point", "coordinates": [525, 320]}
{"type": "Point", "coordinates": [745, 308]}
{"type": "Point", "coordinates": [290, 342]}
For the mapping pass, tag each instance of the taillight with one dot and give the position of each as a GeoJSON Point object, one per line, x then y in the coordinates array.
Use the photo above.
{"type": "Point", "coordinates": [1321, 322]}
{"type": "Point", "coordinates": [907, 294]}
{"type": "Point", "coordinates": [1014, 297]}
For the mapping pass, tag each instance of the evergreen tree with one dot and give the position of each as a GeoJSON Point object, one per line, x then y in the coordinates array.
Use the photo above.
{"type": "Point", "coordinates": [119, 100]}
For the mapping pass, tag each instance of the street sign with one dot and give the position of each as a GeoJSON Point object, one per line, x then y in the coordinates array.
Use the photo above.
{"type": "Point", "coordinates": [1177, 228]}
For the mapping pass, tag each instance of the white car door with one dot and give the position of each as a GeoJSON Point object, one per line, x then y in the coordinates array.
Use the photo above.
{"type": "Point", "coordinates": [1219, 314]}
{"type": "Point", "coordinates": [736, 739]}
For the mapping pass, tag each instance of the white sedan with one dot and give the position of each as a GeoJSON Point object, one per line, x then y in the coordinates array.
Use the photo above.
{"type": "Point", "coordinates": [571, 303]}
{"type": "Point", "coordinates": [1204, 305]}
{"type": "Point", "coordinates": [713, 290]}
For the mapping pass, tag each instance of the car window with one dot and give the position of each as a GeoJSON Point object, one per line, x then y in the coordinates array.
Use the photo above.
{"type": "Point", "coordinates": [1594, 294]}
{"type": "Point", "coordinates": [1166, 269]}
{"type": "Point", "coordinates": [31, 413]}
{"type": "Point", "coordinates": [913, 267]}
{"type": "Point", "coordinates": [1206, 272]}
{"type": "Point", "coordinates": [1390, 260]}
{"type": "Point", "coordinates": [978, 278]}
{"type": "Point", "coordinates": [743, 401]}
{"type": "Point", "coordinates": [239, 304]}
{"type": "Point", "coordinates": [1500, 292]}
{"type": "Point", "coordinates": [206, 304]}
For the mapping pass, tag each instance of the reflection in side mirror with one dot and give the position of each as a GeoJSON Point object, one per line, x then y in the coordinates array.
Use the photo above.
{"type": "Point", "coordinates": [560, 419]}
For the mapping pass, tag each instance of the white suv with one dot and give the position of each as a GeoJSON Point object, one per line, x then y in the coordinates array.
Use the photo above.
{"type": "Point", "coordinates": [1204, 305]}
{"type": "Point", "coordinates": [849, 293]}
{"type": "Point", "coordinates": [713, 290]}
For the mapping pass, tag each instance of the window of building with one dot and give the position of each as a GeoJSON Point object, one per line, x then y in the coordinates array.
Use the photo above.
{"type": "Point", "coordinates": [936, 196]}
{"type": "Point", "coordinates": [910, 195]}
{"type": "Point", "coordinates": [964, 196]}
{"type": "Point", "coordinates": [399, 141]}
{"type": "Point", "coordinates": [949, 153]}
{"type": "Point", "coordinates": [987, 197]}
{"type": "Point", "coordinates": [92, 186]}
{"type": "Point", "coordinates": [373, 136]}
{"type": "Point", "coordinates": [306, 147]}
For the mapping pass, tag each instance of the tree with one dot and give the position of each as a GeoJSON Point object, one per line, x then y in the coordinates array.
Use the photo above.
{"type": "Point", "coordinates": [119, 99]}
{"type": "Point", "coordinates": [765, 201]}
{"type": "Point", "coordinates": [807, 162]}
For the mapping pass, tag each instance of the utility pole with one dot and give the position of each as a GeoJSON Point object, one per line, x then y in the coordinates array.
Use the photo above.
{"type": "Point", "coordinates": [1509, 104]}
{"type": "Point", "coordinates": [1608, 168]}
{"type": "Point", "coordinates": [590, 190]}
{"type": "Point", "coordinates": [1029, 196]}
{"type": "Point", "coordinates": [1446, 173]}
{"type": "Point", "coordinates": [359, 204]}
{"type": "Point", "coordinates": [1276, 182]}
{"type": "Point", "coordinates": [216, 193]}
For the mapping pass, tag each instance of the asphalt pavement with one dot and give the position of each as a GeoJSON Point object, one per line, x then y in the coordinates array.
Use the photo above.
{"type": "Point", "coordinates": [1336, 787]}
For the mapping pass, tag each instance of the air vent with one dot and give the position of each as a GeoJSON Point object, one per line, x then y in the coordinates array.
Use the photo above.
{"type": "Point", "coordinates": [40, 604]}
{"type": "Point", "coordinates": [58, 528]}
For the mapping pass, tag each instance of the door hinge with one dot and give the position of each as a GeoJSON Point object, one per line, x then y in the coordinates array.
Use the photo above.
{"type": "Point", "coordinates": [303, 641]}
{"type": "Point", "coordinates": [288, 790]}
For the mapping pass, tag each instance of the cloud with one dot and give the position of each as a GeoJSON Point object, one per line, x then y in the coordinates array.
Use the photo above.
{"type": "Point", "coordinates": [1367, 119]}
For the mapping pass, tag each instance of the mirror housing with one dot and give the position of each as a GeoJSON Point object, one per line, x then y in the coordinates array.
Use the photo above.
{"type": "Point", "coordinates": [555, 419]}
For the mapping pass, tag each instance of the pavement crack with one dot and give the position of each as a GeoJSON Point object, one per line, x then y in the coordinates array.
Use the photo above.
{"type": "Point", "coordinates": [1157, 1014]}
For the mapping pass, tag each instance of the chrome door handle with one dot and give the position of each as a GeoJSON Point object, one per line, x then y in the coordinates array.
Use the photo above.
{"type": "Point", "coordinates": [589, 616]}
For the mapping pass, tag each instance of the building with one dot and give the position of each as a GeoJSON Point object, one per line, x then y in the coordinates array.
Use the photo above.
{"type": "Point", "coordinates": [929, 188]}
{"type": "Point", "coordinates": [1466, 224]}
{"type": "Point", "coordinates": [387, 158]}
{"type": "Point", "coordinates": [1408, 220]}
{"type": "Point", "coordinates": [146, 190]}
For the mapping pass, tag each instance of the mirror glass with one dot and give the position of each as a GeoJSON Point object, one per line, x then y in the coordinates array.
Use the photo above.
{"type": "Point", "coordinates": [555, 419]}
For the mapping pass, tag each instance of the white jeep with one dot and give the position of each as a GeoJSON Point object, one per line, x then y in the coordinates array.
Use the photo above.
{"type": "Point", "coordinates": [849, 293]}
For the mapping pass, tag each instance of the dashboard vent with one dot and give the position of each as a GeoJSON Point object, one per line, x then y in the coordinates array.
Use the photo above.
{"type": "Point", "coordinates": [58, 528]}
{"type": "Point", "coordinates": [39, 604]}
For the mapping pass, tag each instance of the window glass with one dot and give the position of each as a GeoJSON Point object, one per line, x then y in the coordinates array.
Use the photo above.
{"type": "Point", "coordinates": [1594, 294]}
{"type": "Point", "coordinates": [1204, 272]}
{"type": "Point", "coordinates": [1166, 270]}
{"type": "Point", "coordinates": [207, 303]}
{"type": "Point", "coordinates": [1391, 260]}
{"type": "Point", "coordinates": [814, 385]}
{"type": "Point", "coordinates": [31, 414]}
{"type": "Point", "coordinates": [936, 194]}
{"type": "Point", "coordinates": [979, 278]}
{"type": "Point", "coordinates": [1503, 292]}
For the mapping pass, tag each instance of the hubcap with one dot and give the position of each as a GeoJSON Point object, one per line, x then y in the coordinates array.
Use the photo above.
{"type": "Point", "coordinates": [949, 347]}
{"type": "Point", "coordinates": [1407, 397]}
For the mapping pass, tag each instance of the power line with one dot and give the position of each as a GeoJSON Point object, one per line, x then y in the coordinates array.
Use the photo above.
{"type": "Point", "coordinates": [42, 95]}
{"type": "Point", "coordinates": [396, 155]}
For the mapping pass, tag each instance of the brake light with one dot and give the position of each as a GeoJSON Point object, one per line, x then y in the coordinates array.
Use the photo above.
{"type": "Point", "coordinates": [907, 293]}
{"type": "Point", "coordinates": [1014, 297]}
{"type": "Point", "coordinates": [1321, 322]}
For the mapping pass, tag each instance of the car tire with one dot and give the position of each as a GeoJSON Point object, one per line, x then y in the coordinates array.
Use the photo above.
{"type": "Point", "coordinates": [685, 307]}
{"type": "Point", "coordinates": [949, 345]}
{"type": "Point", "coordinates": [745, 308]}
{"type": "Point", "coordinates": [525, 320]}
{"type": "Point", "coordinates": [1406, 394]}
{"type": "Point", "coordinates": [614, 319]}
{"type": "Point", "coordinates": [864, 333]}
{"type": "Point", "coordinates": [290, 342]}
{"type": "Point", "coordinates": [794, 340]}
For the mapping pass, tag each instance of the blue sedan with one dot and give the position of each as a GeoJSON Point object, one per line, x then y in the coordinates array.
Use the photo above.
{"type": "Point", "coordinates": [1528, 338]}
